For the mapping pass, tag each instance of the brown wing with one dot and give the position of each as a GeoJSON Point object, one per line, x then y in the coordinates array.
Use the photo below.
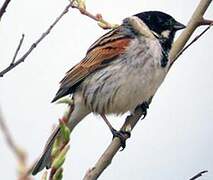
{"type": "Point", "coordinates": [102, 52]}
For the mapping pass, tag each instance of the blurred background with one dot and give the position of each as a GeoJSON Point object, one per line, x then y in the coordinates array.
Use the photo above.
{"type": "Point", "coordinates": [174, 142]}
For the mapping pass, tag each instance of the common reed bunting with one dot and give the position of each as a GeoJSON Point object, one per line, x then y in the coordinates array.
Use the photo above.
{"type": "Point", "coordinates": [121, 71]}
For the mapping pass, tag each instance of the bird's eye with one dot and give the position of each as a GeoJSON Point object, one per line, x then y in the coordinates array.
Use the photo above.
{"type": "Point", "coordinates": [148, 18]}
{"type": "Point", "coordinates": [169, 23]}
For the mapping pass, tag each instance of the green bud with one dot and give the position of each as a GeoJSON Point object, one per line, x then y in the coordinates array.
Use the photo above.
{"type": "Point", "coordinates": [65, 132]}
{"type": "Point", "coordinates": [54, 151]}
{"type": "Point", "coordinates": [58, 174]}
{"type": "Point", "coordinates": [114, 26]}
{"type": "Point", "coordinates": [56, 147]}
{"type": "Point", "coordinates": [59, 160]}
{"type": "Point", "coordinates": [103, 25]}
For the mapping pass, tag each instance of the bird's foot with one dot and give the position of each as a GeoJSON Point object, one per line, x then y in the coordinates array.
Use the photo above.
{"type": "Point", "coordinates": [122, 135]}
{"type": "Point", "coordinates": [144, 106]}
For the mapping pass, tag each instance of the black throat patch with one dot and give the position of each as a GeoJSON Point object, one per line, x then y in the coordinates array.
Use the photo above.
{"type": "Point", "coordinates": [165, 50]}
{"type": "Point", "coordinates": [165, 58]}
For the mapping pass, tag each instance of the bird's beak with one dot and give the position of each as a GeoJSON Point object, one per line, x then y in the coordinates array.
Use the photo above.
{"type": "Point", "coordinates": [179, 26]}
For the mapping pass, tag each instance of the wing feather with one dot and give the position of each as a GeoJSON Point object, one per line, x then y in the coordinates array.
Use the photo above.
{"type": "Point", "coordinates": [99, 55]}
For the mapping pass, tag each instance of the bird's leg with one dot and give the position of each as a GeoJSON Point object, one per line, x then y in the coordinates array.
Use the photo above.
{"type": "Point", "coordinates": [144, 106]}
{"type": "Point", "coordinates": [122, 135]}
{"type": "Point", "coordinates": [108, 123]}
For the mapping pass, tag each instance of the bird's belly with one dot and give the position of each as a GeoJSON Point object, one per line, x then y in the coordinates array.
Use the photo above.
{"type": "Point", "coordinates": [121, 87]}
{"type": "Point", "coordinates": [132, 93]}
{"type": "Point", "coordinates": [118, 91]}
{"type": "Point", "coordinates": [136, 88]}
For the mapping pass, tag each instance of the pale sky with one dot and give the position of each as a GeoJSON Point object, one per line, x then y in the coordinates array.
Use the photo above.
{"type": "Point", "coordinates": [174, 142]}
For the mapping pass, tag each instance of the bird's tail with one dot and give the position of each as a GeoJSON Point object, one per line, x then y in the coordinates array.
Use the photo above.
{"type": "Point", "coordinates": [77, 115]}
{"type": "Point", "coordinates": [45, 158]}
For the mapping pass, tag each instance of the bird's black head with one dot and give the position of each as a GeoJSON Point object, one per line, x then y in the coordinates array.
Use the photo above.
{"type": "Point", "coordinates": [162, 24]}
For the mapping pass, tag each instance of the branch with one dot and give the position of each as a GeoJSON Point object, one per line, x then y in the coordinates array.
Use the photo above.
{"type": "Point", "coordinates": [77, 4]}
{"type": "Point", "coordinates": [81, 6]}
{"type": "Point", "coordinates": [198, 175]}
{"type": "Point", "coordinates": [18, 48]}
{"type": "Point", "coordinates": [193, 41]}
{"type": "Point", "coordinates": [193, 23]}
{"type": "Point", "coordinates": [3, 8]}
{"type": "Point", "coordinates": [33, 46]}
{"type": "Point", "coordinates": [8, 136]}
{"type": "Point", "coordinates": [106, 158]}
{"type": "Point", "coordinates": [21, 156]}
{"type": "Point", "coordinates": [206, 22]}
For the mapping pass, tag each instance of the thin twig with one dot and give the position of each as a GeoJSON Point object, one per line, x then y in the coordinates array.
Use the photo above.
{"type": "Point", "coordinates": [193, 41]}
{"type": "Point", "coordinates": [27, 171]}
{"type": "Point", "coordinates": [101, 22]}
{"type": "Point", "coordinates": [17, 49]}
{"type": "Point", "coordinates": [198, 175]}
{"type": "Point", "coordinates": [85, 12]}
{"type": "Point", "coordinates": [3, 8]}
{"type": "Point", "coordinates": [204, 22]}
{"type": "Point", "coordinates": [21, 156]}
{"type": "Point", "coordinates": [33, 46]}
{"type": "Point", "coordinates": [98, 17]}
{"type": "Point", "coordinates": [8, 136]}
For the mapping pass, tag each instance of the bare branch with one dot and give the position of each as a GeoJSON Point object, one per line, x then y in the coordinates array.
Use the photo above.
{"type": "Point", "coordinates": [74, 4]}
{"type": "Point", "coordinates": [27, 171]}
{"type": "Point", "coordinates": [193, 41]}
{"type": "Point", "coordinates": [198, 175]}
{"type": "Point", "coordinates": [21, 156]}
{"type": "Point", "coordinates": [33, 46]}
{"type": "Point", "coordinates": [8, 137]}
{"type": "Point", "coordinates": [18, 48]}
{"type": "Point", "coordinates": [193, 23]}
{"type": "Point", "coordinates": [206, 22]}
{"type": "Point", "coordinates": [3, 8]}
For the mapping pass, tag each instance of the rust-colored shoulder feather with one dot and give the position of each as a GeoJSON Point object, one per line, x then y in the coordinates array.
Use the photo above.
{"type": "Point", "coordinates": [101, 53]}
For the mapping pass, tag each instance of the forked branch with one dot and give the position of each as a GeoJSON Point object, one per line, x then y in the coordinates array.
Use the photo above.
{"type": "Point", "coordinates": [77, 4]}
{"type": "Point", "coordinates": [33, 46]}
{"type": "Point", "coordinates": [210, 23]}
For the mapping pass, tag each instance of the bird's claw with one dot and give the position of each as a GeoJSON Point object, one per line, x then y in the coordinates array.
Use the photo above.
{"type": "Point", "coordinates": [144, 107]}
{"type": "Point", "coordinates": [122, 135]}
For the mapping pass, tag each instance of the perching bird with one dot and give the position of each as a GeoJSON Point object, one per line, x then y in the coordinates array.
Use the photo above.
{"type": "Point", "coordinates": [121, 70]}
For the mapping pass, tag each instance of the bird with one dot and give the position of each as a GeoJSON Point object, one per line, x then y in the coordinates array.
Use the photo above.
{"type": "Point", "coordinates": [121, 71]}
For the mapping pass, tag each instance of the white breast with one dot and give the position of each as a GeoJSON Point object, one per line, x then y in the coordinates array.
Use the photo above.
{"type": "Point", "coordinates": [128, 81]}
